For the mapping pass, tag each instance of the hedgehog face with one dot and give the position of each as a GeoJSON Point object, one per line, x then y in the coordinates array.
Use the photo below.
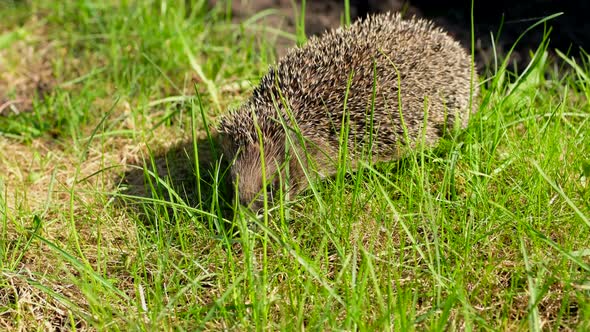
{"type": "Point", "coordinates": [247, 173]}
{"type": "Point", "coordinates": [240, 140]}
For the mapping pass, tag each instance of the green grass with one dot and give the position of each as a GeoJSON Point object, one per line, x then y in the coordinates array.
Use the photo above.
{"type": "Point", "coordinates": [107, 222]}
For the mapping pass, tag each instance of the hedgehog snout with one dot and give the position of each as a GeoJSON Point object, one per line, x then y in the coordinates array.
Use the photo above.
{"type": "Point", "coordinates": [247, 174]}
{"type": "Point", "coordinates": [251, 192]}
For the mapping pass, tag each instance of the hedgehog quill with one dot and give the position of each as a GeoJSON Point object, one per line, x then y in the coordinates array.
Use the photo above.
{"type": "Point", "coordinates": [378, 86]}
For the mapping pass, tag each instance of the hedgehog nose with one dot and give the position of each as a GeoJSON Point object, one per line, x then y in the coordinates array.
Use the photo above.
{"type": "Point", "coordinates": [248, 202]}
{"type": "Point", "coordinates": [254, 207]}
{"type": "Point", "coordinates": [244, 202]}
{"type": "Point", "coordinates": [257, 206]}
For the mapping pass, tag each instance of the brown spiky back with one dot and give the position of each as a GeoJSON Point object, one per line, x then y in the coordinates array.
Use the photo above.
{"type": "Point", "coordinates": [382, 56]}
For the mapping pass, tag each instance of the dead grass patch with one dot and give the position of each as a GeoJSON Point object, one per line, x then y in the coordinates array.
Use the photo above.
{"type": "Point", "coordinates": [26, 307]}
{"type": "Point", "coordinates": [26, 67]}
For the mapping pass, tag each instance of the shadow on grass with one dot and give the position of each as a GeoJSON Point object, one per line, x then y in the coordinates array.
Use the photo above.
{"type": "Point", "coordinates": [178, 180]}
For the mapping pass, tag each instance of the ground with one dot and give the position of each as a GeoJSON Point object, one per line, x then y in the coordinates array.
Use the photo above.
{"type": "Point", "coordinates": [115, 215]}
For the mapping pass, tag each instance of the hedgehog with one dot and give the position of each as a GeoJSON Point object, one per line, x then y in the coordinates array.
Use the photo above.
{"type": "Point", "coordinates": [373, 89]}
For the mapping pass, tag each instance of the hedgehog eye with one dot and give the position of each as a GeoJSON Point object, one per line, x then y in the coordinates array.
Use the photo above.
{"type": "Point", "coordinates": [271, 187]}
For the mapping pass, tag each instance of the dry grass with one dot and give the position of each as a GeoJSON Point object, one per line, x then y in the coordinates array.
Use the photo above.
{"type": "Point", "coordinates": [26, 69]}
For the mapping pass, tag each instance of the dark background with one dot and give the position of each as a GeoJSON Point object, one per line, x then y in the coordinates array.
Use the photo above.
{"type": "Point", "coordinates": [570, 31]}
